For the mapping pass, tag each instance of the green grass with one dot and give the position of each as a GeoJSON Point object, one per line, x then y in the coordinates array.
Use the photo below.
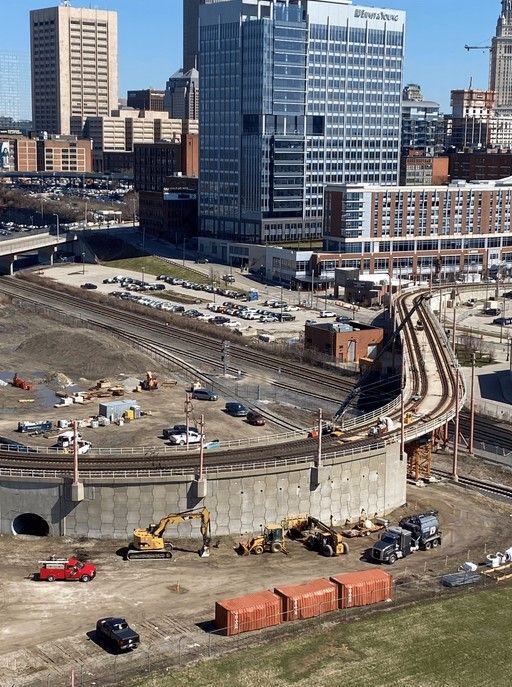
{"type": "Point", "coordinates": [153, 265]}
{"type": "Point", "coordinates": [464, 641]}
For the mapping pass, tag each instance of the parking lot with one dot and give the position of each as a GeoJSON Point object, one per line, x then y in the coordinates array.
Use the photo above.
{"type": "Point", "coordinates": [220, 305]}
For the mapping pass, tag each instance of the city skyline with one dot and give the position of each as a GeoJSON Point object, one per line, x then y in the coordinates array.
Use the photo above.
{"type": "Point", "coordinates": [159, 42]}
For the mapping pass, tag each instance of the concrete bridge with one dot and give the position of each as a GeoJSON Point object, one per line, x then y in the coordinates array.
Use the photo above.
{"type": "Point", "coordinates": [43, 242]}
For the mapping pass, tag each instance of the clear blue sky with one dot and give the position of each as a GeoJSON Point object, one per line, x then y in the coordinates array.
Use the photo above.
{"type": "Point", "coordinates": [150, 41]}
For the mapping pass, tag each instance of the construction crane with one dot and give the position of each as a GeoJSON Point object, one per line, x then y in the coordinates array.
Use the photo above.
{"type": "Point", "coordinates": [477, 47]}
{"type": "Point", "coordinates": [149, 542]}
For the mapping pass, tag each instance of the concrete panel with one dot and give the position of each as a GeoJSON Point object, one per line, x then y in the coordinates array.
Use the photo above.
{"type": "Point", "coordinates": [238, 502]}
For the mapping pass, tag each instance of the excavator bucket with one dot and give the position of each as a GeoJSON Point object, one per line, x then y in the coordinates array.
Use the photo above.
{"type": "Point", "coordinates": [242, 549]}
{"type": "Point", "coordinates": [204, 551]}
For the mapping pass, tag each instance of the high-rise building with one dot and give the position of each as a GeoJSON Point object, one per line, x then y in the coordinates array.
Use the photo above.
{"type": "Point", "coordinates": [146, 99]}
{"type": "Point", "coordinates": [74, 66]}
{"type": "Point", "coordinates": [501, 57]}
{"type": "Point", "coordinates": [293, 98]}
{"type": "Point", "coordinates": [182, 95]}
{"type": "Point", "coordinates": [422, 125]}
{"type": "Point", "coordinates": [14, 86]}
{"type": "Point", "coordinates": [191, 32]}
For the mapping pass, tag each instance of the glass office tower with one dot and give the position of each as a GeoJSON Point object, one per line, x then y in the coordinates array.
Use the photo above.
{"type": "Point", "coordinates": [294, 96]}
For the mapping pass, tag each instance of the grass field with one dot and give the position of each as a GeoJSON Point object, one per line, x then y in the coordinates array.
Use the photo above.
{"type": "Point", "coordinates": [153, 265]}
{"type": "Point", "coordinates": [461, 642]}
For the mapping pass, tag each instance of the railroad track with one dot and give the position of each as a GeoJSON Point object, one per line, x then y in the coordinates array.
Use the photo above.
{"type": "Point", "coordinates": [208, 346]}
{"type": "Point", "coordinates": [501, 490]}
{"type": "Point", "coordinates": [162, 335]}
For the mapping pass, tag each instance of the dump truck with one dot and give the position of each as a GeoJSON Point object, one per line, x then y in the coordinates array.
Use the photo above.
{"type": "Point", "coordinates": [413, 532]}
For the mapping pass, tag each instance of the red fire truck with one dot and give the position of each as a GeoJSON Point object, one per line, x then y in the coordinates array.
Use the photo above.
{"type": "Point", "coordinates": [67, 570]}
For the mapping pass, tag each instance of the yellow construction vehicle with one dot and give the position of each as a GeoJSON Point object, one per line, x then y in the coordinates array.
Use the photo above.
{"type": "Point", "coordinates": [149, 542]}
{"type": "Point", "coordinates": [316, 535]}
{"type": "Point", "coordinates": [272, 540]}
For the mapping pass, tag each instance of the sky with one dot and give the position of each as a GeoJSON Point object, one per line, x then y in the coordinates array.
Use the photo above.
{"type": "Point", "coordinates": [150, 40]}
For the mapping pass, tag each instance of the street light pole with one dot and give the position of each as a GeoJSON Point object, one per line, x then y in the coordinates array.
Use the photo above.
{"type": "Point", "coordinates": [58, 225]}
{"type": "Point", "coordinates": [83, 263]}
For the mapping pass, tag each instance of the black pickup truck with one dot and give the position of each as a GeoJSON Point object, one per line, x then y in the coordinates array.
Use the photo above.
{"type": "Point", "coordinates": [117, 633]}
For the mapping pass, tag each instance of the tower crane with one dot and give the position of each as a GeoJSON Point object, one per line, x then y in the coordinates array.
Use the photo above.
{"type": "Point", "coordinates": [477, 47]}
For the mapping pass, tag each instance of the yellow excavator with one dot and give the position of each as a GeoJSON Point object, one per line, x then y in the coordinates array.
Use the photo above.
{"type": "Point", "coordinates": [149, 542]}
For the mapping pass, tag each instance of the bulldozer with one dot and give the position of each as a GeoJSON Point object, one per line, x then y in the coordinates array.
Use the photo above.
{"type": "Point", "coordinates": [271, 540]}
{"type": "Point", "coordinates": [149, 542]}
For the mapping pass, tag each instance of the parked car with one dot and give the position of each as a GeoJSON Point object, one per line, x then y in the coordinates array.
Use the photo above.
{"type": "Point", "coordinates": [202, 261]}
{"type": "Point", "coordinates": [117, 633]}
{"type": "Point", "coordinates": [327, 313]}
{"type": "Point", "coordinates": [204, 395]}
{"type": "Point", "coordinates": [228, 278]}
{"type": "Point", "coordinates": [180, 439]}
{"type": "Point", "coordinates": [254, 418]}
{"type": "Point", "coordinates": [177, 429]}
{"type": "Point", "coordinates": [343, 318]}
{"type": "Point", "coordinates": [88, 285]}
{"type": "Point", "coordinates": [236, 409]}
{"type": "Point", "coordinates": [502, 321]}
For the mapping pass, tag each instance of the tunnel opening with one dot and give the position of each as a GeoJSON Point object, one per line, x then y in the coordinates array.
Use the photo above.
{"type": "Point", "coordinates": [30, 523]}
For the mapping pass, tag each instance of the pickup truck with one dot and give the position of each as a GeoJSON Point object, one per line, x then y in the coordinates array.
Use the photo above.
{"type": "Point", "coordinates": [71, 570]}
{"type": "Point", "coordinates": [117, 633]}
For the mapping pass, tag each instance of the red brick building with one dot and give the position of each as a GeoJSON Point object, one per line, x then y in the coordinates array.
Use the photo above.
{"type": "Point", "coordinates": [345, 342]}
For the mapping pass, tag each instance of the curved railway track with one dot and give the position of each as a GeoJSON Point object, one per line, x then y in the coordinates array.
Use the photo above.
{"type": "Point", "coordinates": [164, 336]}
{"type": "Point", "coordinates": [481, 485]}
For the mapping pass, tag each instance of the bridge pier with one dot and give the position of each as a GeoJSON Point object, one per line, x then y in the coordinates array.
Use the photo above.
{"type": "Point", "coordinates": [45, 256]}
{"type": "Point", "coordinates": [7, 264]}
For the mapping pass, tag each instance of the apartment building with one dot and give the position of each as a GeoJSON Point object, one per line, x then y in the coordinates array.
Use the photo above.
{"type": "Point", "coordinates": [146, 99]}
{"type": "Point", "coordinates": [459, 230]}
{"type": "Point", "coordinates": [418, 169]}
{"type": "Point", "coordinates": [46, 155]}
{"type": "Point", "coordinates": [74, 66]}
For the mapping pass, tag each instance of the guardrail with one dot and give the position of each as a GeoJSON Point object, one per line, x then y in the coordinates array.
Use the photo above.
{"type": "Point", "coordinates": [365, 419]}
{"type": "Point", "coordinates": [291, 461]}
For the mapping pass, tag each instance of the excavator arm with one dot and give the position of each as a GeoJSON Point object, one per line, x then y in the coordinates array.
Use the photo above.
{"type": "Point", "coordinates": [153, 535]}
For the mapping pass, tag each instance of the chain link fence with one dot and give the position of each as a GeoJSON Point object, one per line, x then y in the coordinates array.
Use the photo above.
{"type": "Point", "coordinates": [161, 651]}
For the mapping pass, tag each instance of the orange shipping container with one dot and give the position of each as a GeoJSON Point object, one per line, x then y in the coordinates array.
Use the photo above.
{"type": "Point", "coordinates": [247, 613]}
{"type": "Point", "coordinates": [363, 588]}
{"type": "Point", "coordinates": [308, 600]}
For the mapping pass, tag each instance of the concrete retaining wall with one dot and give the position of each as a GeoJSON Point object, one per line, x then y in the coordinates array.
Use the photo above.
{"type": "Point", "coordinates": [239, 502]}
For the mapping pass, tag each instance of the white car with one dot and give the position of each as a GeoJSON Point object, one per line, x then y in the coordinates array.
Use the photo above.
{"type": "Point", "coordinates": [327, 313]}
{"type": "Point", "coordinates": [181, 439]}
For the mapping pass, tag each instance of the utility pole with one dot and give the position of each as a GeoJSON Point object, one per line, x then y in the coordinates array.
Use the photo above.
{"type": "Point", "coordinates": [455, 474]}
{"type": "Point", "coordinates": [225, 352]}
{"type": "Point", "coordinates": [319, 460]}
{"type": "Point", "coordinates": [201, 447]}
{"type": "Point", "coordinates": [188, 410]}
{"type": "Point", "coordinates": [402, 408]}
{"type": "Point", "coordinates": [472, 407]}
{"type": "Point", "coordinates": [76, 475]}
{"type": "Point", "coordinates": [454, 326]}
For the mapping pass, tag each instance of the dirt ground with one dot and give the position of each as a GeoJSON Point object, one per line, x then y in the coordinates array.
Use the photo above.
{"type": "Point", "coordinates": [42, 631]}
{"type": "Point", "coordinates": [50, 355]}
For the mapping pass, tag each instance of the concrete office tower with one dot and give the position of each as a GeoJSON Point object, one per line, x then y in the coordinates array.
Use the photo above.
{"type": "Point", "coordinates": [501, 57]}
{"type": "Point", "coordinates": [293, 99]}
{"type": "Point", "coordinates": [182, 95]}
{"type": "Point", "coordinates": [74, 67]}
{"type": "Point", "coordinates": [14, 85]}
